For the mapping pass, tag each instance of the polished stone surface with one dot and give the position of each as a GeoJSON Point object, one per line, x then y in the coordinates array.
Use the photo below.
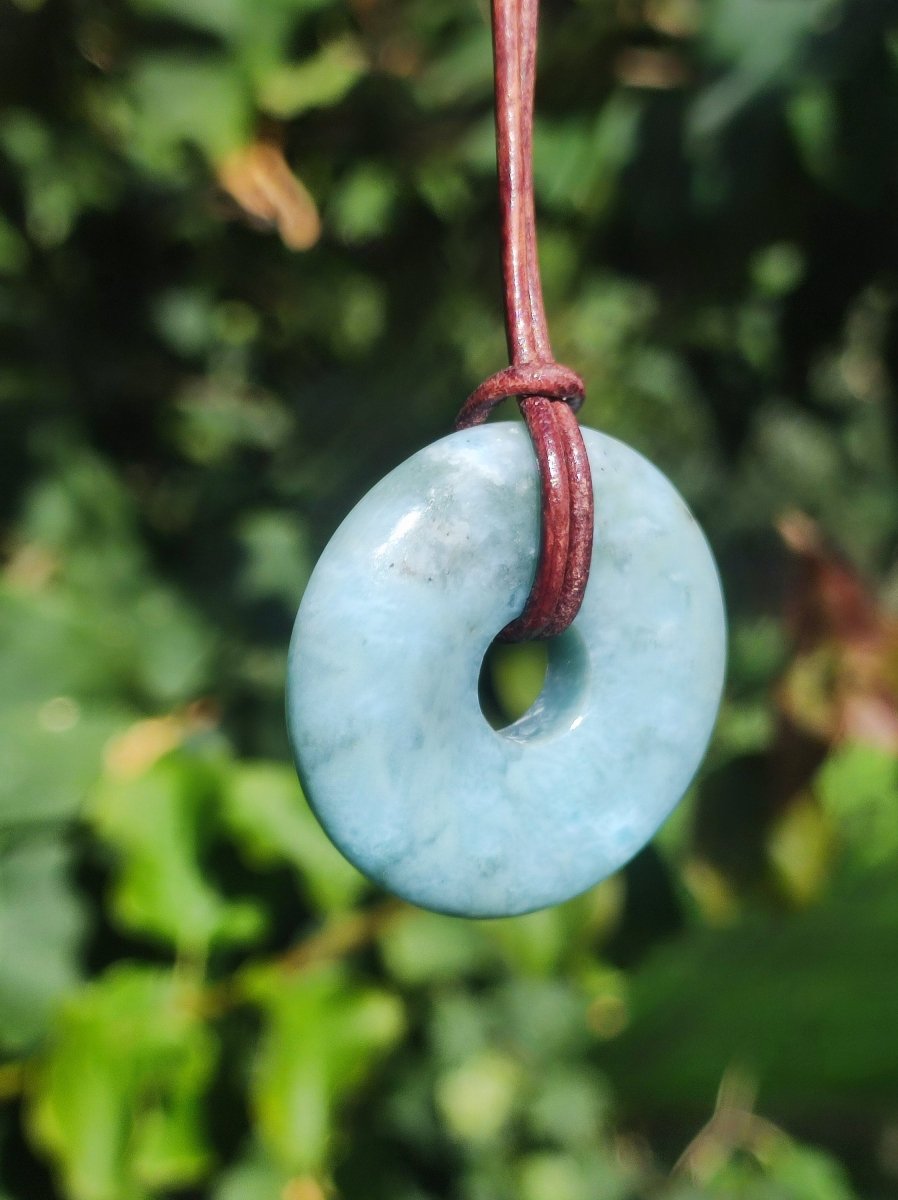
{"type": "Point", "coordinates": [395, 755]}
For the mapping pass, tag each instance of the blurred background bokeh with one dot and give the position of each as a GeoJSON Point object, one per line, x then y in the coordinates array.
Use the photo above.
{"type": "Point", "coordinates": [248, 263]}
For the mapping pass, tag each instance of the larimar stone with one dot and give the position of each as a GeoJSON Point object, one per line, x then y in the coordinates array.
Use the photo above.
{"type": "Point", "coordinates": [395, 755]}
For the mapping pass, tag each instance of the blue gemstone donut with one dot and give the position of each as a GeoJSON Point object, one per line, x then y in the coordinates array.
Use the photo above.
{"type": "Point", "coordinates": [395, 755]}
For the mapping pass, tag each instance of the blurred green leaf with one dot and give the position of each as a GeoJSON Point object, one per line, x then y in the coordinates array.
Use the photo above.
{"type": "Point", "coordinates": [778, 997]}
{"type": "Point", "coordinates": [42, 927]}
{"type": "Point", "coordinates": [858, 789]}
{"type": "Point", "coordinates": [253, 1178]}
{"type": "Point", "coordinates": [565, 1177]}
{"type": "Point", "coordinates": [479, 1097]}
{"type": "Point", "coordinates": [13, 249]}
{"type": "Point", "coordinates": [462, 72]}
{"type": "Point", "coordinates": [50, 757]}
{"type": "Point", "coordinates": [423, 948]}
{"type": "Point", "coordinates": [760, 43]}
{"type": "Point", "coordinates": [117, 1098]}
{"type": "Point", "coordinates": [571, 1106]}
{"type": "Point", "coordinates": [778, 268]}
{"type": "Point", "coordinates": [783, 1170]}
{"type": "Point", "coordinates": [535, 943]}
{"type": "Point", "coordinates": [807, 1174]}
{"type": "Point", "coordinates": [162, 825]}
{"type": "Point", "coordinates": [178, 100]}
{"type": "Point", "coordinates": [267, 812]}
{"type": "Point", "coordinates": [363, 206]}
{"type": "Point", "coordinates": [96, 617]}
{"type": "Point", "coordinates": [813, 118]}
{"type": "Point", "coordinates": [277, 557]}
{"type": "Point", "coordinates": [267, 22]}
{"type": "Point", "coordinates": [62, 700]}
{"type": "Point", "coordinates": [60, 181]}
{"type": "Point", "coordinates": [577, 168]}
{"type": "Point", "coordinates": [214, 421]}
{"type": "Point", "coordinates": [302, 1077]}
{"type": "Point", "coordinates": [319, 81]}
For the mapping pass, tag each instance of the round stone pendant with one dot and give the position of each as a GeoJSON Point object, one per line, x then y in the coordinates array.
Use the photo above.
{"type": "Point", "coordinates": [396, 758]}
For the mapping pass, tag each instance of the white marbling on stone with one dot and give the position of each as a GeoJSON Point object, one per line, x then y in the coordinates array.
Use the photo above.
{"type": "Point", "coordinates": [395, 755]}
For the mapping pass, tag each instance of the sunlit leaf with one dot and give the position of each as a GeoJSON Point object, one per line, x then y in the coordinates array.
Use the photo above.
{"type": "Point", "coordinates": [117, 1098]}
{"type": "Point", "coordinates": [266, 810]}
{"type": "Point", "coordinates": [324, 1034]}
{"type": "Point", "coordinates": [426, 947]}
{"type": "Point", "coordinates": [478, 1098]}
{"type": "Point", "coordinates": [161, 825]}
{"type": "Point", "coordinates": [858, 789]}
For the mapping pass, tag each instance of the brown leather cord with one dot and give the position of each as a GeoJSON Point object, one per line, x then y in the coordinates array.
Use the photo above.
{"type": "Point", "coordinates": [548, 393]}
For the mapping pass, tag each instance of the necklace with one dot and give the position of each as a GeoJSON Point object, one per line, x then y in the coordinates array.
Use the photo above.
{"type": "Point", "coordinates": [567, 535]}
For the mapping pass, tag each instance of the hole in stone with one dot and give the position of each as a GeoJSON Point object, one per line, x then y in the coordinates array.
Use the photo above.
{"type": "Point", "coordinates": [512, 676]}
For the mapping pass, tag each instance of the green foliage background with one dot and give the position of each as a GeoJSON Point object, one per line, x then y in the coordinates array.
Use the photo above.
{"type": "Point", "coordinates": [198, 997]}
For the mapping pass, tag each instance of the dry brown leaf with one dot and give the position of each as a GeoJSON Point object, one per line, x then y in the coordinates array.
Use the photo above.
{"type": "Point", "coordinates": [842, 683]}
{"type": "Point", "coordinates": [259, 179]}
{"type": "Point", "coordinates": [303, 1187]}
{"type": "Point", "coordinates": [133, 751]}
{"type": "Point", "coordinates": [651, 69]}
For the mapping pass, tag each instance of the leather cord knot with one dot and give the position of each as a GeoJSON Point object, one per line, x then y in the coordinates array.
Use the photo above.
{"type": "Point", "coordinates": [549, 394]}
{"type": "Point", "coordinates": [549, 379]}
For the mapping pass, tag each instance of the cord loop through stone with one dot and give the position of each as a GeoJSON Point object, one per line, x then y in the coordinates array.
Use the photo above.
{"type": "Point", "coordinates": [549, 394]}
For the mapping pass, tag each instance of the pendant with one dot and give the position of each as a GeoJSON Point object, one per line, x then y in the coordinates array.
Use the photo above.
{"type": "Point", "coordinates": [397, 760]}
